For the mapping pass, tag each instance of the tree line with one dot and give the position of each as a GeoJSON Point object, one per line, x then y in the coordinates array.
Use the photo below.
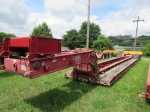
{"type": "Point", "coordinates": [141, 41]}
{"type": "Point", "coordinates": [77, 38]}
{"type": "Point", "coordinates": [3, 35]}
{"type": "Point", "coordinates": [74, 38]}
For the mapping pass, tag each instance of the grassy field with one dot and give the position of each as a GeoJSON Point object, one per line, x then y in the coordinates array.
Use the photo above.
{"type": "Point", "coordinates": [54, 93]}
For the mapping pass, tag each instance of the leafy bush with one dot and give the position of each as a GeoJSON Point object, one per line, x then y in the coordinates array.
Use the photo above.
{"type": "Point", "coordinates": [146, 50]}
{"type": "Point", "coordinates": [102, 43]}
{"type": "Point", "coordinates": [42, 30]}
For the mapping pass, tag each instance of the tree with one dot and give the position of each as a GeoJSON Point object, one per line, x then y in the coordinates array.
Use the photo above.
{"type": "Point", "coordinates": [141, 40]}
{"type": "Point", "coordinates": [72, 39]}
{"type": "Point", "coordinates": [146, 50]}
{"type": "Point", "coordinates": [3, 35]}
{"type": "Point", "coordinates": [42, 30]}
{"type": "Point", "coordinates": [102, 43]}
{"type": "Point", "coordinates": [94, 32]}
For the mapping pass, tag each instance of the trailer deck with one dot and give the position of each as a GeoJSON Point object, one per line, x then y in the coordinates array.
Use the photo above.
{"type": "Point", "coordinates": [109, 71]}
{"type": "Point", "coordinates": [110, 76]}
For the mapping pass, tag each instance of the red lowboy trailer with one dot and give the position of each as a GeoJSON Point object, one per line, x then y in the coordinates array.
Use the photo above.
{"type": "Point", "coordinates": [36, 56]}
{"type": "Point", "coordinates": [1, 58]}
{"type": "Point", "coordinates": [147, 93]}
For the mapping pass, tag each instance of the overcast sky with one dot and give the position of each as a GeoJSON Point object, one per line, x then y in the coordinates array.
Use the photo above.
{"type": "Point", "coordinates": [113, 16]}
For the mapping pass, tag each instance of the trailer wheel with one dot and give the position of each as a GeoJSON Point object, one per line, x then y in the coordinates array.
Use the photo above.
{"type": "Point", "coordinates": [106, 55]}
{"type": "Point", "coordinates": [147, 100]}
{"type": "Point", "coordinates": [103, 56]}
{"type": "Point", "coordinates": [109, 55]}
{"type": "Point", "coordinates": [1, 60]}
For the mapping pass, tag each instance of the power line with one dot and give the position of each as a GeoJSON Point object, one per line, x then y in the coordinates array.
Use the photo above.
{"type": "Point", "coordinates": [81, 3]}
{"type": "Point", "coordinates": [100, 14]}
{"type": "Point", "coordinates": [136, 31]}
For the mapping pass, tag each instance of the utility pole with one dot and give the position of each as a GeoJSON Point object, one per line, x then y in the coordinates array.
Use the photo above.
{"type": "Point", "coordinates": [88, 22]}
{"type": "Point", "coordinates": [136, 31]}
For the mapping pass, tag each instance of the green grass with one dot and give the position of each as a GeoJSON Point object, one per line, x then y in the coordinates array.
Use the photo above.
{"type": "Point", "coordinates": [54, 93]}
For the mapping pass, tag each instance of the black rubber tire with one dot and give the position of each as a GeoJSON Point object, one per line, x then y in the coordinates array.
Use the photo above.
{"type": "Point", "coordinates": [147, 101]}
{"type": "Point", "coordinates": [1, 60]}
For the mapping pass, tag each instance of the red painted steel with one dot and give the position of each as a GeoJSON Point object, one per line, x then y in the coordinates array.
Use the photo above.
{"type": "Point", "coordinates": [119, 74]}
{"type": "Point", "coordinates": [99, 55]}
{"type": "Point", "coordinates": [147, 95]}
{"type": "Point", "coordinates": [36, 56]}
{"type": "Point", "coordinates": [105, 54]}
{"type": "Point", "coordinates": [5, 47]}
{"type": "Point", "coordinates": [107, 65]}
{"type": "Point", "coordinates": [40, 45]}
{"type": "Point", "coordinates": [88, 72]}
{"type": "Point", "coordinates": [0, 49]}
{"type": "Point", "coordinates": [46, 65]}
{"type": "Point", "coordinates": [31, 45]}
{"type": "Point", "coordinates": [19, 42]}
{"type": "Point", "coordinates": [1, 58]}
